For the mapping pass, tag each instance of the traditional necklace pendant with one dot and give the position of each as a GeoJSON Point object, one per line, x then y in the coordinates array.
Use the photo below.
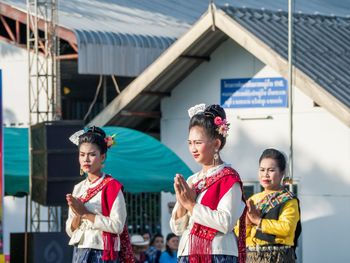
{"type": "Point", "coordinates": [201, 184]}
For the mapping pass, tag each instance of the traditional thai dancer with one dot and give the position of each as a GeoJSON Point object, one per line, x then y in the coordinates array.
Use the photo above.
{"type": "Point", "coordinates": [97, 212]}
{"type": "Point", "coordinates": [210, 202]}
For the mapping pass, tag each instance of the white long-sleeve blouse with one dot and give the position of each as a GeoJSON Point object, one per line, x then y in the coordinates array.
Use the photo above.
{"type": "Point", "coordinates": [89, 235]}
{"type": "Point", "coordinates": [223, 219]}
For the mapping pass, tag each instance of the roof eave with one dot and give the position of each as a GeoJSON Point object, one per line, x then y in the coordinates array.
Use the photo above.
{"type": "Point", "coordinates": [152, 72]}
{"type": "Point", "coordinates": [244, 38]}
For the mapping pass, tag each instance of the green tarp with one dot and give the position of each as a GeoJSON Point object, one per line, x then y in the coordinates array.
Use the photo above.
{"type": "Point", "coordinates": [140, 162]}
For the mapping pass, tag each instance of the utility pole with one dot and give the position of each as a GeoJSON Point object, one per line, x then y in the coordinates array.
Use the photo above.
{"type": "Point", "coordinates": [290, 89]}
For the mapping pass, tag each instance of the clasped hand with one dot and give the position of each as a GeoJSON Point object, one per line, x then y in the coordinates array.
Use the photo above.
{"type": "Point", "coordinates": [185, 195]}
{"type": "Point", "coordinates": [253, 214]}
{"type": "Point", "coordinates": [76, 205]}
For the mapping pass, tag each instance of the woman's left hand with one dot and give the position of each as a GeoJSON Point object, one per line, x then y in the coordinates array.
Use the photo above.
{"type": "Point", "coordinates": [186, 195]}
{"type": "Point", "coordinates": [76, 205]}
{"type": "Point", "coordinates": [253, 213]}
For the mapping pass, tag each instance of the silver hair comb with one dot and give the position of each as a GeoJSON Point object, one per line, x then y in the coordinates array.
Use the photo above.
{"type": "Point", "coordinates": [196, 109]}
{"type": "Point", "coordinates": [74, 138]}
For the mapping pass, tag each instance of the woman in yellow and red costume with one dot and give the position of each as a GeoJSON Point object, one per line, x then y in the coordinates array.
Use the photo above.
{"type": "Point", "coordinates": [273, 217]}
{"type": "Point", "coordinates": [97, 213]}
{"type": "Point", "coordinates": [210, 202]}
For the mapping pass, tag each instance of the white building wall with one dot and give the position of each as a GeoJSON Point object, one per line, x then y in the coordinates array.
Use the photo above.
{"type": "Point", "coordinates": [321, 146]}
{"type": "Point", "coordinates": [13, 219]}
{"type": "Point", "coordinates": [13, 64]}
{"type": "Point", "coordinates": [166, 199]}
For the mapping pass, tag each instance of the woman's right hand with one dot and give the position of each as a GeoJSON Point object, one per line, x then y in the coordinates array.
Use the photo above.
{"type": "Point", "coordinates": [254, 215]}
{"type": "Point", "coordinates": [76, 222]}
{"type": "Point", "coordinates": [184, 193]}
{"type": "Point", "coordinates": [76, 205]}
{"type": "Point", "coordinates": [180, 211]}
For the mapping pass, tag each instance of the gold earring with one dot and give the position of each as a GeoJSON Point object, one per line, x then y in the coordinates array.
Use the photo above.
{"type": "Point", "coordinates": [81, 172]}
{"type": "Point", "coordinates": [216, 157]}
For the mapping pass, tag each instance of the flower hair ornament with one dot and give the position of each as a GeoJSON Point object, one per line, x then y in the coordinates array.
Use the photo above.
{"type": "Point", "coordinates": [196, 109]}
{"type": "Point", "coordinates": [222, 126]}
{"type": "Point", "coordinates": [109, 140]}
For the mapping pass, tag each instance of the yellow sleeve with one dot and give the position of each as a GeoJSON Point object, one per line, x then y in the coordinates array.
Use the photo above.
{"type": "Point", "coordinates": [236, 228]}
{"type": "Point", "coordinates": [248, 229]}
{"type": "Point", "coordinates": [286, 223]}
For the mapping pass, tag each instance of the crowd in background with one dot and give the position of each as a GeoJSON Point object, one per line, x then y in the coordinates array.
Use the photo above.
{"type": "Point", "coordinates": [153, 249]}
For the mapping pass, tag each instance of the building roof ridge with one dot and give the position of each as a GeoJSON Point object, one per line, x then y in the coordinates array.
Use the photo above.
{"type": "Point", "coordinates": [264, 11]}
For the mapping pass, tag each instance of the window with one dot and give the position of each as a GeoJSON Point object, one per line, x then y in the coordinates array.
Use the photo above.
{"type": "Point", "coordinates": [144, 213]}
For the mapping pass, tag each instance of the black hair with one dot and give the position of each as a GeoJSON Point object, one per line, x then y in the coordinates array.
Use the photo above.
{"type": "Point", "coordinates": [206, 121]}
{"type": "Point", "coordinates": [167, 248]}
{"type": "Point", "coordinates": [94, 135]}
{"type": "Point", "coordinates": [276, 155]}
{"type": "Point", "coordinates": [153, 239]}
{"type": "Point", "coordinates": [145, 232]}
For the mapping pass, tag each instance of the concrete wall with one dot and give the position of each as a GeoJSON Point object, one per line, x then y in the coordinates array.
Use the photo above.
{"type": "Point", "coordinates": [321, 146]}
{"type": "Point", "coordinates": [166, 198]}
{"type": "Point", "coordinates": [13, 63]}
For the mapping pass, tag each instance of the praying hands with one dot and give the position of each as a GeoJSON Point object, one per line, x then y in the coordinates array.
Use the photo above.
{"type": "Point", "coordinates": [253, 214]}
{"type": "Point", "coordinates": [77, 206]}
{"type": "Point", "coordinates": [184, 194]}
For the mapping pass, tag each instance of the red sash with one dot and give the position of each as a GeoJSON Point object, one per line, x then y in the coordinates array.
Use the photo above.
{"type": "Point", "coordinates": [110, 189]}
{"type": "Point", "coordinates": [91, 192]}
{"type": "Point", "coordinates": [201, 237]}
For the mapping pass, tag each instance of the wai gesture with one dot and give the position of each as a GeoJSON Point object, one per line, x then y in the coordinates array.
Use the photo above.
{"type": "Point", "coordinates": [185, 195]}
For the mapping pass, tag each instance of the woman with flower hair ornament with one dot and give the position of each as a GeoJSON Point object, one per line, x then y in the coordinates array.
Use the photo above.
{"type": "Point", "coordinates": [210, 202]}
{"type": "Point", "coordinates": [96, 221]}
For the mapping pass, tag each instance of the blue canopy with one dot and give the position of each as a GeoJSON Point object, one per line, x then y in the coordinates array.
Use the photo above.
{"type": "Point", "coordinates": [140, 162]}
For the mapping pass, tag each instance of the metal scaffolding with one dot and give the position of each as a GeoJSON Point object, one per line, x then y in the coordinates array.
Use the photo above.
{"type": "Point", "coordinates": [44, 92]}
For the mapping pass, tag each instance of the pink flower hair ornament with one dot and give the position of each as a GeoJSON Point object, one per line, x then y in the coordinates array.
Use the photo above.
{"type": "Point", "coordinates": [110, 141]}
{"type": "Point", "coordinates": [222, 126]}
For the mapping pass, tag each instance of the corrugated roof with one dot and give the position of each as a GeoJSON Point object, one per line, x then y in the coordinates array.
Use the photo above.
{"type": "Point", "coordinates": [119, 37]}
{"type": "Point", "coordinates": [321, 58]}
{"type": "Point", "coordinates": [321, 44]}
{"type": "Point", "coordinates": [123, 37]}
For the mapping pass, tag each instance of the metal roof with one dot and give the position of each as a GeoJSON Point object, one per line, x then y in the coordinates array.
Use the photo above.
{"type": "Point", "coordinates": [123, 37]}
{"type": "Point", "coordinates": [322, 49]}
{"type": "Point", "coordinates": [323, 7]}
{"type": "Point", "coordinates": [117, 37]}
{"type": "Point", "coordinates": [321, 44]}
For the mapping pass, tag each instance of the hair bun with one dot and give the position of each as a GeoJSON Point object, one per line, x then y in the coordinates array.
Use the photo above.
{"type": "Point", "coordinates": [97, 130]}
{"type": "Point", "coordinates": [215, 110]}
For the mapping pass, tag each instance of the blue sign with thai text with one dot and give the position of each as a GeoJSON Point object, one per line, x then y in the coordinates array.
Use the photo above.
{"type": "Point", "coordinates": [254, 93]}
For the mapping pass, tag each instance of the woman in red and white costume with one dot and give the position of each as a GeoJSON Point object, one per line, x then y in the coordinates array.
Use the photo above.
{"type": "Point", "coordinates": [97, 212]}
{"type": "Point", "coordinates": [210, 202]}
